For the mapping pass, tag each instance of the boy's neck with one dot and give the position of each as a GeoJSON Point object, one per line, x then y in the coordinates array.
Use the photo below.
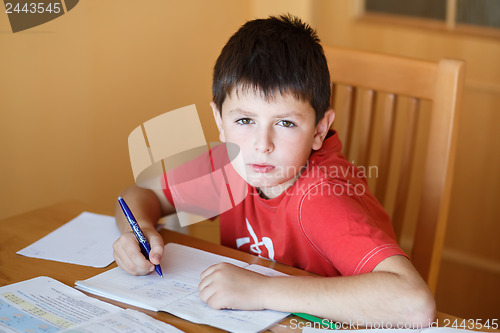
{"type": "Point", "coordinates": [270, 193]}
{"type": "Point", "coordinates": [276, 191]}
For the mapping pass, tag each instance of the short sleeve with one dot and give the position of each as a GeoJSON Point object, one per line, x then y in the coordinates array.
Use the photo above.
{"type": "Point", "coordinates": [166, 189]}
{"type": "Point", "coordinates": [350, 230]}
{"type": "Point", "coordinates": [206, 186]}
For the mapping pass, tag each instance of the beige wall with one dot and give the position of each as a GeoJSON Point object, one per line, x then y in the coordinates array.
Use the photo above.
{"type": "Point", "coordinates": [264, 8]}
{"type": "Point", "coordinates": [74, 88]}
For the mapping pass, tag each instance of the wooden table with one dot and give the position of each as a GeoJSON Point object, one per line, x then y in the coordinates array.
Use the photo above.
{"type": "Point", "coordinates": [20, 231]}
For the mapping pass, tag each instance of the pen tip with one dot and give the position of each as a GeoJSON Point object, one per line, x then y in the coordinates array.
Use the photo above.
{"type": "Point", "coordinates": [119, 198]}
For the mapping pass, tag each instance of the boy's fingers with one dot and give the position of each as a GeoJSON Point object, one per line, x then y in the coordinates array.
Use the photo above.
{"type": "Point", "coordinates": [139, 265]}
{"type": "Point", "coordinates": [128, 256]}
{"type": "Point", "coordinates": [129, 266]}
{"type": "Point", "coordinates": [207, 272]}
{"type": "Point", "coordinates": [154, 258]}
{"type": "Point", "coordinates": [157, 246]}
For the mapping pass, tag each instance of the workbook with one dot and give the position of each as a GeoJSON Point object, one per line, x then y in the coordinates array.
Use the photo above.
{"type": "Point", "coordinates": [177, 292]}
{"type": "Point", "coordinates": [307, 329]}
{"type": "Point", "coordinates": [45, 305]}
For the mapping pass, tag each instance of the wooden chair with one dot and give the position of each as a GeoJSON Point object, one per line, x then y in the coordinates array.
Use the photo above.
{"type": "Point", "coordinates": [370, 93]}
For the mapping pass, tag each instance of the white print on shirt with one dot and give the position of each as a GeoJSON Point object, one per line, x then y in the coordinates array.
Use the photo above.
{"type": "Point", "coordinates": [255, 247]}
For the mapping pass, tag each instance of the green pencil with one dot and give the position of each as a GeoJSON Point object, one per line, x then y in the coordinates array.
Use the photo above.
{"type": "Point", "coordinates": [328, 323]}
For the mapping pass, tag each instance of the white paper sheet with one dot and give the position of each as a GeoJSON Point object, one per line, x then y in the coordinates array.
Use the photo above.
{"type": "Point", "coordinates": [46, 305]}
{"type": "Point", "coordinates": [86, 240]}
{"type": "Point", "coordinates": [395, 329]}
{"type": "Point", "coordinates": [125, 321]}
{"type": "Point", "coordinates": [177, 292]}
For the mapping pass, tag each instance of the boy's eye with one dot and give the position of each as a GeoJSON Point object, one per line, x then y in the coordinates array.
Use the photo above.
{"type": "Point", "coordinates": [286, 123]}
{"type": "Point", "coordinates": [244, 121]}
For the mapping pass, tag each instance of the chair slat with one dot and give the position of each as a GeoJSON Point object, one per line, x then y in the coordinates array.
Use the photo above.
{"type": "Point", "coordinates": [438, 170]}
{"type": "Point", "coordinates": [388, 126]}
{"type": "Point", "coordinates": [345, 100]}
{"type": "Point", "coordinates": [366, 109]}
{"type": "Point", "coordinates": [406, 167]}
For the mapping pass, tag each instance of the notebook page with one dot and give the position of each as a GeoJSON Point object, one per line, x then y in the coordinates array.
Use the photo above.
{"type": "Point", "coordinates": [44, 302]}
{"type": "Point", "coordinates": [45, 305]}
{"type": "Point", "coordinates": [125, 321]}
{"type": "Point", "coordinates": [393, 330]}
{"type": "Point", "coordinates": [182, 267]}
{"type": "Point", "coordinates": [177, 291]}
{"type": "Point", "coordinates": [193, 309]}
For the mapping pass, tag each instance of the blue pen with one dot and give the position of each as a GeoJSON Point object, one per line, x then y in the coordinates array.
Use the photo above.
{"type": "Point", "coordinates": [143, 242]}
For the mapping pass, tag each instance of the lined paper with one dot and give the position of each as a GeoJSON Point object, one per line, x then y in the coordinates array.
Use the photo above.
{"type": "Point", "coordinates": [177, 292]}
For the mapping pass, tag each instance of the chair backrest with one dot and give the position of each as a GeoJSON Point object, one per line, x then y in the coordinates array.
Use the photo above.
{"type": "Point", "coordinates": [370, 92]}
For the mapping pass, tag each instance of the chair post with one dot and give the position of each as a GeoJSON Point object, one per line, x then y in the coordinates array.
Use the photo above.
{"type": "Point", "coordinates": [438, 172]}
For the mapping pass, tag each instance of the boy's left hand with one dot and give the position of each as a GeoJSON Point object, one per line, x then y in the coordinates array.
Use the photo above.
{"type": "Point", "coordinates": [226, 286]}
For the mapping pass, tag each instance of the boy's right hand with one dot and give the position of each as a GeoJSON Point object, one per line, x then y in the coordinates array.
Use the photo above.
{"type": "Point", "coordinates": [129, 257]}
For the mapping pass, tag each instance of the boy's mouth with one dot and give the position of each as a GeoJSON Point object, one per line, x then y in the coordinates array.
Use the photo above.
{"type": "Point", "coordinates": [262, 168]}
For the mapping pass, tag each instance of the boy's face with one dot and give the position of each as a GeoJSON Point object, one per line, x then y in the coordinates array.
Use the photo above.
{"type": "Point", "coordinates": [275, 137]}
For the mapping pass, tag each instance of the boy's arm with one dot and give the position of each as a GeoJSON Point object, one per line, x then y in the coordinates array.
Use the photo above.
{"type": "Point", "coordinates": [148, 206]}
{"type": "Point", "coordinates": [392, 293]}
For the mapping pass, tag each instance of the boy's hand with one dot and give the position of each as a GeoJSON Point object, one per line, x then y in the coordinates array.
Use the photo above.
{"type": "Point", "coordinates": [225, 286]}
{"type": "Point", "coordinates": [129, 257]}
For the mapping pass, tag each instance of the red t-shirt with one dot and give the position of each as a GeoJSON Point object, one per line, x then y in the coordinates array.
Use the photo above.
{"type": "Point", "coordinates": [327, 222]}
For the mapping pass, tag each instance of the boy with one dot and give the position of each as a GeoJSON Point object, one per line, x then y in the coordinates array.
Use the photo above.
{"type": "Point", "coordinates": [306, 206]}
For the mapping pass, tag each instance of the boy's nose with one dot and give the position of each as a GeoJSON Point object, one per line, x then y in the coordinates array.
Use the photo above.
{"type": "Point", "coordinates": [264, 142]}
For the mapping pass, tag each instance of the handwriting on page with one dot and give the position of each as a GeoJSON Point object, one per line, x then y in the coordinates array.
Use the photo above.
{"type": "Point", "coordinates": [177, 292]}
{"type": "Point", "coordinates": [44, 305]}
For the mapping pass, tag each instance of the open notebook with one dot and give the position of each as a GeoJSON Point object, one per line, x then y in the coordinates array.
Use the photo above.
{"type": "Point", "coordinates": [177, 291]}
{"type": "Point", "coordinates": [45, 305]}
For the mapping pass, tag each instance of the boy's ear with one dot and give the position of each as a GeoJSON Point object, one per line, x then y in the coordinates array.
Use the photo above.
{"type": "Point", "coordinates": [218, 121]}
{"type": "Point", "coordinates": [322, 128]}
